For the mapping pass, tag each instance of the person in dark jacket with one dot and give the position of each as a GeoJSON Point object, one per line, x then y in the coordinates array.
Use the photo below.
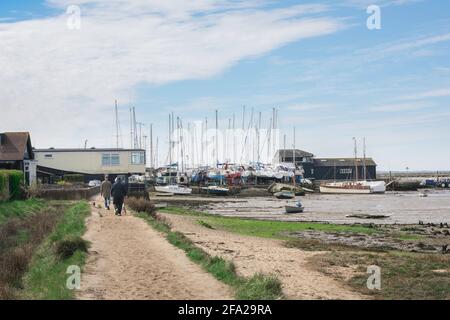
{"type": "Point", "coordinates": [118, 192]}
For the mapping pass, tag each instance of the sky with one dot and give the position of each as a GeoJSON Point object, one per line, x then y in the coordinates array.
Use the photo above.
{"type": "Point", "coordinates": [317, 62]}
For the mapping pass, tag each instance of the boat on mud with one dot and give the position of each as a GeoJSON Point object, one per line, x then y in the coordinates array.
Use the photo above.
{"type": "Point", "coordinates": [173, 189]}
{"type": "Point", "coordinates": [354, 187]}
{"type": "Point", "coordinates": [284, 195]}
{"type": "Point", "coordinates": [216, 190]}
{"type": "Point", "coordinates": [298, 208]}
{"type": "Point", "coordinates": [283, 187]}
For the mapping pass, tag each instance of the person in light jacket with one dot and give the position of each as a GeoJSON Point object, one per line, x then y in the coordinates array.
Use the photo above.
{"type": "Point", "coordinates": [105, 191]}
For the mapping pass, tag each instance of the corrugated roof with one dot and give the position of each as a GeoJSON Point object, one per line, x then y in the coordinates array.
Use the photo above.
{"type": "Point", "coordinates": [13, 145]}
{"type": "Point", "coordinates": [347, 162]}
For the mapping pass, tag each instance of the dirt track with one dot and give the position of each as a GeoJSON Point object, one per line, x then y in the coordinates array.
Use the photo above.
{"type": "Point", "coordinates": [130, 260]}
{"type": "Point", "coordinates": [253, 254]}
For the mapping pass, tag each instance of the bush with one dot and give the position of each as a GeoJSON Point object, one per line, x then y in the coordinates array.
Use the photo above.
{"type": "Point", "coordinates": [141, 205]}
{"type": "Point", "coordinates": [16, 184]}
{"type": "Point", "coordinates": [79, 178]}
{"type": "Point", "coordinates": [67, 247]}
{"type": "Point", "coordinates": [12, 180]}
{"type": "Point", "coordinates": [4, 186]}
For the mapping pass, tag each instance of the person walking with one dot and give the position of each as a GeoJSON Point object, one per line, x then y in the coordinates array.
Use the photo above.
{"type": "Point", "coordinates": [118, 192]}
{"type": "Point", "coordinates": [105, 191]}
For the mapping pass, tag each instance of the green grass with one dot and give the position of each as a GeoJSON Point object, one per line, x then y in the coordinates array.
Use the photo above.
{"type": "Point", "coordinates": [20, 208]}
{"type": "Point", "coordinates": [258, 287]}
{"type": "Point", "coordinates": [268, 229]}
{"type": "Point", "coordinates": [46, 276]}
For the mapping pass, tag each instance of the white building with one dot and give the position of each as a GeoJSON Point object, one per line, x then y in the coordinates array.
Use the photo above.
{"type": "Point", "coordinates": [92, 163]}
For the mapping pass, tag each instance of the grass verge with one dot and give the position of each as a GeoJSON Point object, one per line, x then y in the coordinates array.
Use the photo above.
{"type": "Point", "coordinates": [258, 287]}
{"type": "Point", "coordinates": [46, 276]}
{"type": "Point", "coordinates": [20, 208]}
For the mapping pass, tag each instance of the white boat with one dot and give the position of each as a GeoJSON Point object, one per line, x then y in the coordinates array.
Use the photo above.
{"type": "Point", "coordinates": [354, 187]}
{"type": "Point", "coordinates": [174, 189]}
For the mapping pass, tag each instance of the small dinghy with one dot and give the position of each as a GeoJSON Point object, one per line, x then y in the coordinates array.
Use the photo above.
{"type": "Point", "coordinates": [284, 195]}
{"type": "Point", "coordinates": [298, 208]}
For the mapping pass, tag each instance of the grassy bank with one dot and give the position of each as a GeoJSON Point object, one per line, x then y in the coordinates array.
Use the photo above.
{"type": "Point", "coordinates": [24, 225]}
{"type": "Point", "coordinates": [404, 275]}
{"type": "Point", "coordinates": [258, 287]}
{"type": "Point", "coordinates": [265, 228]}
{"type": "Point", "coordinates": [46, 276]}
{"type": "Point", "coordinates": [20, 209]}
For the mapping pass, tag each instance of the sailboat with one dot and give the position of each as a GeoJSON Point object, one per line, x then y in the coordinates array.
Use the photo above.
{"type": "Point", "coordinates": [357, 186]}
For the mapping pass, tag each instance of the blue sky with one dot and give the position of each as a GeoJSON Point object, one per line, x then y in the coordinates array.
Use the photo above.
{"type": "Point", "coordinates": [328, 75]}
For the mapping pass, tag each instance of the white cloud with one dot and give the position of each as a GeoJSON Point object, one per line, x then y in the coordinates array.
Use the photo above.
{"type": "Point", "coordinates": [430, 94]}
{"type": "Point", "coordinates": [396, 107]}
{"type": "Point", "coordinates": [61, 83]}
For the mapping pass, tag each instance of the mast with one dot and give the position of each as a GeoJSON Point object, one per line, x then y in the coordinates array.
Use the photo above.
{"type": "Point", "coordinates": [152, 164]}
{"type": "Point", "coordinates": [293, 156]}
{"type": "Point", "coordinates": [217, 138]}
{"type": "Point", "coordinates": [117, 125]}
{"type": "Point", "coordinates": [356, 161]}
{"type": "Point", "coordinates": [234, 139]}
{"type": "Point", "coordinates": [131, 128]}
{"type": "Point", "coordinates": [135, 129]}
{"type": "Point", "coordinates": [156, 152]}
{"type": "Point", "coordinates": [259, 136]}
{"type": "Point", "coordinates": [206, 140]}
{"type": "Point", "coordinates": [364, 161]}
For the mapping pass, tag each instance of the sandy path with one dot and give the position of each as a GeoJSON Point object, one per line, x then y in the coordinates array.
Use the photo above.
{"type": "Point", "coordinates": [254, 254]}
{"type": "Point", "coordinates": [130, 260]}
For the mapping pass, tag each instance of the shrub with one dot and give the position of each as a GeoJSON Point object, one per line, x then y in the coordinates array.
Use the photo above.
{"type": "Point", "coordinates": [12, 179]}
{"type": "Point", "coordinates": [4, 186]}
{"type": "Point", "coordinates": [260, 287]}
{"type": "Point", "coordinates": [141, 205]}
{"type": "Point", "coordinates": [67, 247]}
{"type": "Point", "coordinates": [74, 178]}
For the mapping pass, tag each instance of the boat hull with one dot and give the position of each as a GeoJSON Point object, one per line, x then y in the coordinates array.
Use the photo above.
{"type": "Point", "coordinates": [339, 190]}
{"type": "Point", "coordinates": [284, 195]}
{"type": "Point", "coordinates": [360, 187]}
{"type": "Point", "coordinates": [173, 190]}
{"type": "Point", "coordinates": [293, 209]}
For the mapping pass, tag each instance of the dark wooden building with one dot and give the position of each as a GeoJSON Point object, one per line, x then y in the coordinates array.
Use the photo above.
{"type": "Point", "coordinates": [327, 168]}
{"type": "Point", "coordinates": [16, 153]}
{"type": "Point", "coordinates": [344, 169]}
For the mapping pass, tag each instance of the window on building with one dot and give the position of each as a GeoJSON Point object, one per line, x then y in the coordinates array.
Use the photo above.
{"type": "Point", "coordinates": [137, 158]}
{"type": "Point", "coordinates": [110, 159]}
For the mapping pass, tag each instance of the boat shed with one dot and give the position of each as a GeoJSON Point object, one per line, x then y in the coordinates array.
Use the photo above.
{"type": "Point", "coordinates": [344, 169]}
